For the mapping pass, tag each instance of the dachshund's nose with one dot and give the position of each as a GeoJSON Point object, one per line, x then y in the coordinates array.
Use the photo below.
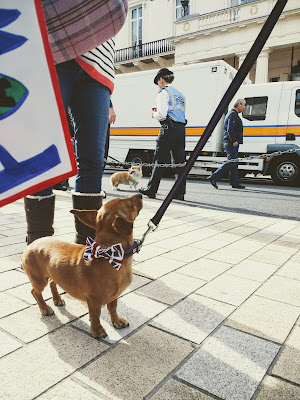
{"type": "Point", "coordinates": [139, 195]}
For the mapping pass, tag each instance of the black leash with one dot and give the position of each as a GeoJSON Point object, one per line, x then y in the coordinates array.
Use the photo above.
{"type": "Point", "coordinates": [228, 96]}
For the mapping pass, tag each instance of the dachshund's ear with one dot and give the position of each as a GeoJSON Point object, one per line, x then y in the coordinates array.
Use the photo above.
{"type": "Point", "coordinates": [88, 217]}
{"type": "Point", "coordinates": [122, 226]}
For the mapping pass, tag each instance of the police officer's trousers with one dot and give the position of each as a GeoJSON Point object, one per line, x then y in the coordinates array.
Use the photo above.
{"type": "Point", "coordinates": [169, 140]}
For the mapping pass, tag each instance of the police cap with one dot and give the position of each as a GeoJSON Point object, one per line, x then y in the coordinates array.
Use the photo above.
{"type": "Point", "coordinates": [162, 72]}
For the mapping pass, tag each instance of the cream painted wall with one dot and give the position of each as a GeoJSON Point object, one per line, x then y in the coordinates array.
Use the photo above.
{"type": "Point", "coordinates": [158, 22]}
{"type": "Point", "coordinates": [212, 37]}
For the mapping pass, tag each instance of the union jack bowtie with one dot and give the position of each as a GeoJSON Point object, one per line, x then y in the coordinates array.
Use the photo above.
{"type": "Point", "coordinates": [113, 254]}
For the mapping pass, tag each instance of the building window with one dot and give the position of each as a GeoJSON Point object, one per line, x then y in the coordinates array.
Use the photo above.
{"type": "Point", "coordinates": [274, 79]}
{"type": "Point", "coordinates": [256, 108]}
{"type": "Point", "coordinates": [234, 3]}
{"type": "Point", "coordinates": [137, 31]}
{"type": "Point", "coordinates": [297, 103]}
{"type": "Point", "coordinates": [179, 9]}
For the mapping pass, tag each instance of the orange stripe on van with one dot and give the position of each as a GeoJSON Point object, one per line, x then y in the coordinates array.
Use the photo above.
{"type": "Point", "coordinates": [255, 131]}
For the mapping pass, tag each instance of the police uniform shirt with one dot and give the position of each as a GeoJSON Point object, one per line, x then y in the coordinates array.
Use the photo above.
{"type": "Point", "coordinates": [162, 105]}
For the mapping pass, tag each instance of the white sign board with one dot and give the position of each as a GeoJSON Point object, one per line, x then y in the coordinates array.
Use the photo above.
{"type": "Point", "coordinates": [35, 145]}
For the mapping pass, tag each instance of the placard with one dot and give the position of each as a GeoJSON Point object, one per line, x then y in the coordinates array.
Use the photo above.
{"type": "Point", "coordinates": [35, 144]}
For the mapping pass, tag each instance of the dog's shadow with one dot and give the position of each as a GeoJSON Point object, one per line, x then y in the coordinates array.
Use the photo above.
{"type": "Point", "coordinates": [65, 314]}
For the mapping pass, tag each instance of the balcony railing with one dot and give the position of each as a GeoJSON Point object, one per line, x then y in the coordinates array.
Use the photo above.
{"type": "Point", "coordinates": [144, 50]}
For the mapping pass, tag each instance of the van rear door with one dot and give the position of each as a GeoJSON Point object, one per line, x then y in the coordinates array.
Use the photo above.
{"type": "Point", "coordinates": [293, 126]}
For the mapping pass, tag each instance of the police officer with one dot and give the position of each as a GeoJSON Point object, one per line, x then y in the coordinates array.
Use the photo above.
{"type": "Point", "coordinates": [170, 112]}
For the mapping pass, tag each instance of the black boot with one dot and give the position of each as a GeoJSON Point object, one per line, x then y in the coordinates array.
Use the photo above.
{"type": "Point", "coordinates": [39, 216]}
{"type": "Point", "coordinates": [85, 201]}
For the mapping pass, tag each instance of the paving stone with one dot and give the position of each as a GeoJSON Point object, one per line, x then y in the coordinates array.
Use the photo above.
{"type": "Point", "coordinates": [229, 289]}
{"type": "Point", "coordinates": [288, 364]}
{"type": "Point", "coordinates": [265, 318]}
{"type": "Point", "coordinates": [261, 237]}
{"type": "Point", "coordinates": [254, 270]}
{"type": "Point", "coordinates": [230, 364]}
{"type": "Point", "coordinates": [10, 262]}
{"type": "Point", "coordinates": [29, 324]}
{"type": "Point", "coordinates": [290, 269]}
{"type": "Point", "coordinates": [183, 240]}
{"type": "Point", "coordinates": [15, 248]}
{"type": "Point", "coordinates": [23, 292]}
{"type": "Point", "coordinates": [149, 251]}
{"type": "Point", "coordinates": [6, 240]}
{"type": "Point", "coordinates": [174, 390]}
{"type": "Point", "coordinates": [188, 254]}
{"type": "Point", "coordinates": [31, 370]}
{"type": "Point", "coordinates": [171, 288]}
{"type": "Point", "coordinates": [276, 389]}
{"type": "Point", "coordinates": [246, 244]}
{"type": "Point", "coordinates": [136, 309]}
{"type": "Point", "coordinates": [296, 257]}
{"type": "Point", "coordinates": [284, 247]}
{"type": "Point", "coordinates": [226, 236]}
{"type": "Point", "coordinates": [229, 255]}
{"type": "Point", "coordinates": [243, 230]}
{"type": "Point", "coordinates": [138, 281]}
{"type": "Point", "coordinates": [9, 304]}
{"type": "Point", "coordinates": [194, 318]}
{"type": "Point", "coordinates": [69, 389]}
{"type": "Point", "coordinates": [210, 244]}
{"type": "Point", "coordinates": [271, 257]}
{"type": "Point", "coordinates": [292, 239]}
{"type": "Point", "coordinates": [10, 279]}
{"type": "Point", "coordinates": [281, 289]}
{"type": "Point", "coordinates": [8, 344]}
{"type": "Point", "coordinates": [144, 360]}
{"type": "Point", "coordinates": [295, 231]}
{"type": "Point", "coordinates": [156, 267]}
{"type": "Point", "coordinates": [204, 268]}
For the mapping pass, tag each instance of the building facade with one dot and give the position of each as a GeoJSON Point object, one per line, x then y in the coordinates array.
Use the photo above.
{"type": "Point", "coordinates": [164, 33]}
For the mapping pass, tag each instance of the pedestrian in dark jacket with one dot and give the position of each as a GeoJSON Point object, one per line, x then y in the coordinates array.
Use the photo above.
{"type": "Point", "coordinates": [233, 137]}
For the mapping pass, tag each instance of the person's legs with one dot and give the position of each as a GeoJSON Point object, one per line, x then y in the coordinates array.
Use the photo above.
{"type": "Point", "coordinates": [161, 152]}
{"type": "Point", "coordinates": [90, 108]}
{"type": "Point", "coordinates": [177, 145]}
{"type": "Point", "coordinates": [89, 103]}
{"type": "Point", "coordinates": [232, 153]}
{"type": "Point", "coordinates": [39, 210]}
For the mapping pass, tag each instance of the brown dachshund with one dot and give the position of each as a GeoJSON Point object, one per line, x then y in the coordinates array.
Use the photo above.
{"type": "Point", "coordinates": [97, 281]}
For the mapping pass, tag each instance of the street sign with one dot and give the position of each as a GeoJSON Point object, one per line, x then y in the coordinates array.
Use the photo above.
{"type": "Point", "coordinates": [35, 144]}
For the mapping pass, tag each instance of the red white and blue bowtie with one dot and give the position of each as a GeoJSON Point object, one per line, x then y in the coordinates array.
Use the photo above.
{"type": "Point", "coordinates": [113, 254]}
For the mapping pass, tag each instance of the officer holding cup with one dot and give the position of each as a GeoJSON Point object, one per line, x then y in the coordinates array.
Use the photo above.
{"type": "Point", "coordinates": [170, 112]}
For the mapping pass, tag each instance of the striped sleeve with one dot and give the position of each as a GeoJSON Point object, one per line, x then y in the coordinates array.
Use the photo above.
{"type": "Point", "coordinates": [99, 63]}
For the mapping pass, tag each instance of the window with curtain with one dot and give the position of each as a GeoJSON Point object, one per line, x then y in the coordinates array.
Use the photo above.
{"type": "Point", "coordinates": [178, 9]}
{"type": "Point", "coordinates": [137, 30]}
{"type": "Point", "coordinates": [240, 2]}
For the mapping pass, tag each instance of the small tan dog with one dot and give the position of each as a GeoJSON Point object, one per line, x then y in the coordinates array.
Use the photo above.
{"type": "Point", "coordinates": [131, 177]}
{"type": "Point", "coordinates": [94, 279]}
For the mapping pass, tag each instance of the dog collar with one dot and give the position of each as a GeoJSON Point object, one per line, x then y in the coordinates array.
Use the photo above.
{"type": "Point", "coordinates": [114, 254]}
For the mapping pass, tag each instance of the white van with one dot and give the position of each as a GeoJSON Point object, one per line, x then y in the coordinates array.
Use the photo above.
{"type": "Point", "coordinates": [271, 119]}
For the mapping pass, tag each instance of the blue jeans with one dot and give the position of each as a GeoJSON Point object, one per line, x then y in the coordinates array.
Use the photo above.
{"type": "Point", "coordinates": [89, 101]}
{"type": "Point", "coordinates": [230, 168]}
{"type": "Point", "coordinates": [170, 140]}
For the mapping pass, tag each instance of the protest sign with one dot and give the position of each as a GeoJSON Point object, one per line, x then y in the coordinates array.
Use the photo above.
{"type": "Point", "coordinates": [35, 145]}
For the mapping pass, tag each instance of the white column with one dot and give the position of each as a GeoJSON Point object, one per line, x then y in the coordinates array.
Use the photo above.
{"type": "Point", "coordinates": [242, 57]}
{"type": "Point", "coordinates": [262, 67]}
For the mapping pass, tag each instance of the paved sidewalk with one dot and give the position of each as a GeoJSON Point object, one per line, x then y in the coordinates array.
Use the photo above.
{"type": "Point", "coordinates": [213, 309]}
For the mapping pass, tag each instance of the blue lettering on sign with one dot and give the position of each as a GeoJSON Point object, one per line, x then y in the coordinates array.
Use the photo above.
{"type": "Point", "coordinates": [15, 173]}
{"type": "Point", "coordinates": [9, 41]}
{"type": "Point", "coordinates": [12, 96]}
